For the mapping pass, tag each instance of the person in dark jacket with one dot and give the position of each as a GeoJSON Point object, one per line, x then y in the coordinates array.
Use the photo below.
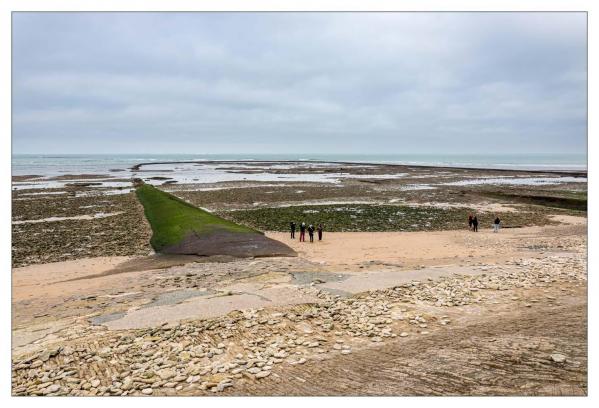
{"type": "Point", "coordinates": [311, 232]}
{"type": "Point", "coordinates": [292, 227]}
{"type": "Point", "coordinates": [303, 232]}
{"type": "Point", "coordinates": [319, 229]}
{"type": "Point", "coordinates": [496, 224]}
{"type": "Point", "coordinates": [470, 221]}
{"type": "Point", "coordinates": [475, 224]}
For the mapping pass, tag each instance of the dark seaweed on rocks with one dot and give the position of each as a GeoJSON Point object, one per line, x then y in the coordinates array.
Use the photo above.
{"type": "Point", "coordinates": [124, 234]}
{"type": "Point", "coordinates": [363, 217]}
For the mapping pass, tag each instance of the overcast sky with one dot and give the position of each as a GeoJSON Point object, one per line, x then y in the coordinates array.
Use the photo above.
{"type": "Point", "coordinates": [299, 83]}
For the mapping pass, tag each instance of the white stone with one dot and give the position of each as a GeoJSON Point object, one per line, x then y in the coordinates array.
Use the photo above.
{"type": "Point", "coordinates": [558, 358]}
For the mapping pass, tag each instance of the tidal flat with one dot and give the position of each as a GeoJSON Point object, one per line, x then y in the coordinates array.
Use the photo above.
{"type": "Point", "coordinates": [396, 280]}
{"type": "Point", "coordinates": [346, 197]}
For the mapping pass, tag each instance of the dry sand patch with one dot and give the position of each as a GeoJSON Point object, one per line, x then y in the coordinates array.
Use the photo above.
{"type": "Point", "coordinates": [545, 274]}
{"type": "Point", "coordinates": [408, 249]}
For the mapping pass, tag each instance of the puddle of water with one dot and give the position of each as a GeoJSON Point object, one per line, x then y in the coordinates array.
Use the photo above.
{"type": "Point", "coordinates": [45, 184]}
{"type": "Point", "coordinates": [199, 187]}
{"type": "Point", "coordinates": [77, 217]}
{"type": "Point", "coordinates": [44, 193]}
{"type": "Point", "coordinates": [523, 181]}
{"type": "Point", "coordinates": [413, 187]}
{"type": "Point", "coordinates": [375, 176]}
{"type": "Point", "coordinates": [188, 173]}
{"type": "Point", "coordinates": [104, 192]}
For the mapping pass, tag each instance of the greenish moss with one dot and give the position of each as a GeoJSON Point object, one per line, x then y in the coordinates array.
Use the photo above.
{"type": "Point", "coordinates": [172, 219]}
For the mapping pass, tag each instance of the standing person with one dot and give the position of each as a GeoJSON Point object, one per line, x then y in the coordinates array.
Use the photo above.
{"type": "Point", "coordinates": [475, 224]}
{"type": "Point", "coordinates": [311, 232]}
{"type": "Point", "coordinates": [292, 227]}
{"type": "Point", "coordinates": [470, 221]}
{"type": "Point", "coordinates": [319, 229]}
{"type": "Point", "coordinates": [496, 224]}
{"type": "Point", "coordinates": [303, 232]}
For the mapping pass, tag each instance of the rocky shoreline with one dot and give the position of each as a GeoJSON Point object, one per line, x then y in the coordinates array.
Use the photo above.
{"type": "Point", "coordinates": [396, 198]}
{"type": "Point", "coordinates": [212, 355]}
{"type": "Point", "coordinates": [446, 312]}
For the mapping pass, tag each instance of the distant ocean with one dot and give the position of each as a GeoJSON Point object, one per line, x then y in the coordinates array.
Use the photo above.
{"type": "Point", "coordinates": [55, 164]}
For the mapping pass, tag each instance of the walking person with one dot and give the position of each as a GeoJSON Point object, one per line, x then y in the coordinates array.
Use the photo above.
{"type": "Point", "coordinates": [470, 221]}
{"type": "Point", "coordinates": [303, 232]}
{"type": "Point", "coordinates": [292, 227]}
{"type": "Point", "coordinates": [475, 224]}
{"type": "Point", "coordinates": [319, 229]}
{"type": "Point", "coordinates": [311, 232]}
{"type": "Point", "coordinates": [496, 224]}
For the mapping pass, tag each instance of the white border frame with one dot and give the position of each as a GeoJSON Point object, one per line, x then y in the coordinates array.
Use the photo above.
{"type": "Point", "coordinates": [6, 8]}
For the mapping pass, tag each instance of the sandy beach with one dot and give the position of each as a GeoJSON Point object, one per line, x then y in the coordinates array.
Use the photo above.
{"type": "Point", "coordinates": [396, 276]}
{"type": "Point", "coordinates": [77, 318]}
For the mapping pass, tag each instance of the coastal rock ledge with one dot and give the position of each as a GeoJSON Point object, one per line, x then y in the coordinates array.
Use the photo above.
{"type": "Point", "coordinates": [222, 242]}
{"type": "Point", "coordinates": [180, 228]}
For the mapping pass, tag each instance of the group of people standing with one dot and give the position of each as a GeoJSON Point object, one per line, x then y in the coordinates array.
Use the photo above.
{"type": "Point", "coordinates": [473, 223]}
{"type": "Point", "coordinates": [303, 228]}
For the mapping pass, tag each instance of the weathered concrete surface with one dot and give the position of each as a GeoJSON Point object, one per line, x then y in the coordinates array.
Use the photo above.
{"type": "Point", "coordinates": [204, 307]}
{"type": "Point", "coordinates": [374, 280]}
{"type": "Point", "coordinates": [241, 245]}
{"type": "Point", "coordinates": [176, 306]}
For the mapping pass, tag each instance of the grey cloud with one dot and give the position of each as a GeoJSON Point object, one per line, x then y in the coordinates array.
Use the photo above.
{"type": "Point", "coordinates": [305, 82]}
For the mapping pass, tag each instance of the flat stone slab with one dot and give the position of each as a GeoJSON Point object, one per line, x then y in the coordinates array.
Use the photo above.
{"type": "Point", "coordinates": [204, 307]}
{"type": "Point", "coordinates": [177, 296]}
{"type": "Point", "coordinates": [306, 278]}
{"type": "Point", "coordinates": [184, 305]}
{"type": "Point", "coordinates": [375, 280]}
{"type": "Point", "coordinates": [98, 320]}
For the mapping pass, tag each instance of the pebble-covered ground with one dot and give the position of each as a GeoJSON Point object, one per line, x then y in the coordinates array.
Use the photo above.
{"type": "Point", "coordinates": [236, 350]}
{"type": "Point", "coordinates": [515, 324]}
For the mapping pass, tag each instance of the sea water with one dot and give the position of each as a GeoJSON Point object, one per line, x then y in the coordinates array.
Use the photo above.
{"type": "Point", "coordinates": [55, 165]}
{"type": "Point", "coordinates": [197, 169]}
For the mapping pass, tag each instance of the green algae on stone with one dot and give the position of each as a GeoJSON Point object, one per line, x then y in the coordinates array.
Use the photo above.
{"type": "Point", "coordinates": [172, 219]}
